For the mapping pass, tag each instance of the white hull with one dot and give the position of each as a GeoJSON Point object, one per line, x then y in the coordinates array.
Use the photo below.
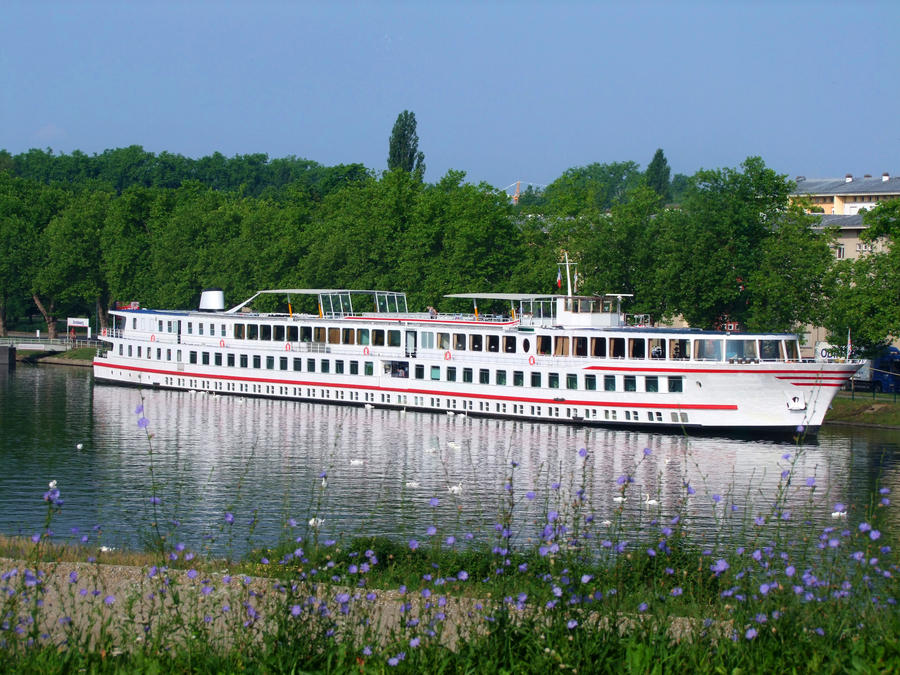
{"type": "Point", "coordinates": [780, 396]}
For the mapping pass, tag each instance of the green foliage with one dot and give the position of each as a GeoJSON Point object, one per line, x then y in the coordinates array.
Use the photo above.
{"type": "Point", "coordinates": [658, 176]}
{"type": "Point", "coordinates": [403, 146]}
{"type": "Point", "coordinates": [591, 190]}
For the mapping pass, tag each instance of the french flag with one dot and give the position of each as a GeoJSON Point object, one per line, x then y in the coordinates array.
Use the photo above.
{"type": "Point", "coordinates": [559, 278]}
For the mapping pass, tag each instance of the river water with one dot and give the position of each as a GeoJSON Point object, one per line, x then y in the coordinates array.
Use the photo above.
{"type": "Point", "coordinates": [274, 465]}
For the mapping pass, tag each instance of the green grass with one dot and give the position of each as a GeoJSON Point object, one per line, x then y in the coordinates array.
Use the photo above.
{"type": "Point", "coordinates": [865, 408]}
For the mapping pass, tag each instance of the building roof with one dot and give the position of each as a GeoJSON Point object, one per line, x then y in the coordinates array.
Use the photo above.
{"type": "Point", "coordinates": [854, 222]}
{"type": "Point", "coordinates": [847, 186]}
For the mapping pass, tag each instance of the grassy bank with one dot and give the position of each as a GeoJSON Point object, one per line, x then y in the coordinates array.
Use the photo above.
{"type": "Point", "coordinates": [865, 408]}
{"type": "Point", "coordinates": [619, 595]}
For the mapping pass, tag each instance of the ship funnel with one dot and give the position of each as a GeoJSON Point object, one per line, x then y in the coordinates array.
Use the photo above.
{"type": "Point", "coordinates": [212, 300]}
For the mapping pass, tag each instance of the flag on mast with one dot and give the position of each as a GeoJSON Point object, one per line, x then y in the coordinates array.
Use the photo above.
{"type": "Point", "coordinates": [558, 278]}
{"type": "Point", "coordinates": [849, 345]}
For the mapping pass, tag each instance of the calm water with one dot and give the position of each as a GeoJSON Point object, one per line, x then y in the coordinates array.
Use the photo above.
{"type": "Point", "coordinates": [262, 461]}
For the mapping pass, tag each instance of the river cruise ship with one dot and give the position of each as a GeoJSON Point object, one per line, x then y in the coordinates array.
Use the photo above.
{"type": "Point", "coordinates": [547, 358]}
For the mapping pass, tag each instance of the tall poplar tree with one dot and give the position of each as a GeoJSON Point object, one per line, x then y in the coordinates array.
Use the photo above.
{"type": "Point", "coordinates": [658, 176]}
{"type": "Point", "coordinates": [403, 150]}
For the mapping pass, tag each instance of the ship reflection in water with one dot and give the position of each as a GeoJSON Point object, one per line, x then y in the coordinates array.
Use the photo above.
{"type": "Point", "coordinates": [376, 472]}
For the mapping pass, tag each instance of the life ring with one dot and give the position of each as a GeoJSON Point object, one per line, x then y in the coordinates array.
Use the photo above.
{"type": "Point", "coordinates": [531, 360]}
{"type": "Point", "coordinates": [152, 338]}
{"type": "Point", "coordinates": [221, 343]}
{"type": "Point", "coordinates": [104, 332]}
{"type": "Point", "coordinates": [447, 356]}
{"type": "Point", "coordinates": [287, 346]}
{"type": "Point", "coordinates": [365, 351]}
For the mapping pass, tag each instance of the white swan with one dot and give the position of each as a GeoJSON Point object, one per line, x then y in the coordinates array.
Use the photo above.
{"type": "Point", "coordinates": [453, 445]}
{"type": "Point", "coordinates": [650, 502]}
{"type": "Point", "coordinates": [315, 522]}
{"type": "Point", "coordinates": [412, 484]}
{"type": "Point", "coordinates": [356, 462]}
{"type": "Point", "coordinates": [455, 489]}
{"type": "Point", "coordinates": [838, 514]}
{"type": "Point", "coordinates": [620, 499]}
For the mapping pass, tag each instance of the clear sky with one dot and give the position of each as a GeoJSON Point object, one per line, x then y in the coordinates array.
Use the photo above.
{"type": "Point", "coordinates": [501, 90]}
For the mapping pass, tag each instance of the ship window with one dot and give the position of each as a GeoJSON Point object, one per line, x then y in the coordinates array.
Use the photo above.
{"type": "Point", "coordinates": [451, 374]}
{"type": "Point", "coordinates": [265, 332]}
{"type": "Point", "coordinates": [475, 342]}
{"type": "Point", "coordinates": [325, 366]}
{"type": "Point", "coordinates": [298, 364]}
{"type": "Point", "coordinates": [339, 367]}
{"type": "Point", "coordinates": [369, 367]}
{"type": "Point", "coordinates": [378, 337]}
{"type": "Point", "coordinates": [770, 350]}
{"type": "Point", "coordinates": [598, 347]}
{"type": "Point", "coordinates": [459, 341]}
{"type": "Point", "coordinates": [310, 365]}
{"type": "Point", "coordinates": [257, 361]}
{"type": "Point", "coordinates": [707, 350]}
{"type": "Point", "coordinates": [252, 331]}
{"type": "Point", "coordinates": [420, 371]}
{"type": "Point", "coordinates": [204, 357]}
{"type": "Point", "coordinates": [484, 376]}
{"type": "Point", "coordinates": [212, 329]}
{"type": "Point", "coordinates": [590, 382]}
{"type": "Point", "coordinates": [579, 345]}
{"type": "Point", "coordinates": [518, 378]}
{"type": "Point", "coordinates": [168, 326]}
{"type": "Point", "coordinates": [657, 348]}
{"type": "Point", "coordinates": [282, 363]}
{"type": "Point", "coordinates": [362, 336]}
{"type": "Point", "coordinates": [561, 346]}
{"type": "Point", "coordinates": [347, 336]}
{"type": "Point", "coordinates": [199, 328]}
{"type": "Point", "coordinates": [467, 374]}
{"type": "Point", "coordinates": [354, 367]}
{"type": "Point", "coordinates": [270, 363]}
{"type": "Point", "coordinates": [230, 360]}
{"type": "Point", "coordinates": [243, 360]}
{"type": "Point", "coordinates": [493, 343]}
{"type": "Point", "coordinates": [292, 333]}
{"type": "Point", "coordinates": [305, 333]}
{"type": "Point", "coordinates": [552, 380]}
{"type": "Point", "coordinates": [319, 334]}
{"type": "Point", "coordinates": [679, 349]}
{"type": "Point", "coordinates": [543, 344]}
{"type": "Point", "coordinates": [791, 351]}
{"type": "Point", "coordinates": [651, 383]}
{"type": "Point", "coordinates": [278, 333]}
{"type": "Point", "coordinates": [740, 349]}
{"type": "Point", "coordinates": [169, 355]}
{"type": "Point", "coordinates": [536, 379]}
{"type": "Point", "coordinates": [675, 385]}
{"type": "Point", "coordinates": [222, 330]}
{"type": "Point", "coordinates": [427, 339]}
{"type": "Point", "coordinates": [192, 356]}
{"type": "Point", "coordinates": [617, 347]}
{"type": "Point", "coordinates": [500, 377]}
{"type": "Point", "coordinates": [571, 381]}
{"type": "Point", "coordinates": [630, 383]}
{"type": "Point", "coordinates": [609, 382]}
{"type": "Point", "coordinates": [334, 336]}
{"type": "Point", "coordinates": [217, 358]}
{"type": "Point", "coordinates": [509, 344]}
{"type": "Point", "coordinates": [443, 340]}
{"type": "Point", "coordinates": [637, 348]}
{"type": "Point", "coordinates": [159, 328]}
{"type": "Point", "coordinates": [393, 338]}
{"type": "Point", "coordinates": [435, 372]}
{"type": "Point", "coordinates": [189, 324]}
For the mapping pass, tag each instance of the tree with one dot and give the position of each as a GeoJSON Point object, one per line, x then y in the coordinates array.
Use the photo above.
{"type": "Point", "coordinates": [658, 176]}
{"type": "Point", "coordinates": [593, 189]}
{"type": "Point", "coordinates": [403, 149]}
{"type": "Point", "coordinates": [712, 244]}
{"type": "Point", "coordinates": [866, 297]}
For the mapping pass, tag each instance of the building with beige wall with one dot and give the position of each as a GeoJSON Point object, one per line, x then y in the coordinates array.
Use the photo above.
{"type": "Point", "coordinates": [847, 196]}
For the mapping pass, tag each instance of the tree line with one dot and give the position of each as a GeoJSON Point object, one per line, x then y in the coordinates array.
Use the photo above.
{"type": "Point", "coordinates": [78, 233]}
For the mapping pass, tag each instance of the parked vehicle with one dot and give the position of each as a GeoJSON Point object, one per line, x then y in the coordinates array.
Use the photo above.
{"type": "Point", "coordinates": [879, 374]}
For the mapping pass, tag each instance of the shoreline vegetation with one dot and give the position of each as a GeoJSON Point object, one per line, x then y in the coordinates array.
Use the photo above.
{"type": "Point", "coordinates": [858, 409]}
{"type": "Point", "coordinates": [795, 581]}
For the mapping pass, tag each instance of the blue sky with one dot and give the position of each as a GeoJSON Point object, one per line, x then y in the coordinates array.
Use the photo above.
{"type": "Point", "coordinates": [501, 90]}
